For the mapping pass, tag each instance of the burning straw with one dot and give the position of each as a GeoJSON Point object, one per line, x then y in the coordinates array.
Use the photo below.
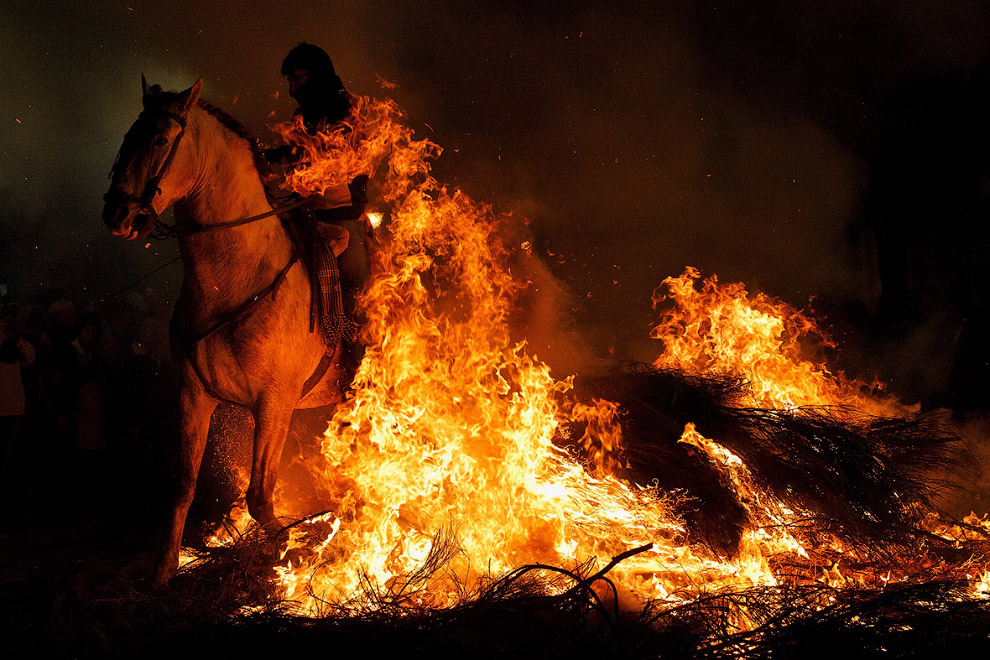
{"type": "Point", "coordinates": [868, 480]}
{"type": "Point", "coordinates": [733, 492]}
{"type": "Point", "coordinates": [734, 456]}
{"type": "Point", "coordinates": [535, 610]}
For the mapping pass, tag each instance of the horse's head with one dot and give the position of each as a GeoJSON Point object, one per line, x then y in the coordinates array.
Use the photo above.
{"type": "Point", "coordinates": [154, 166]}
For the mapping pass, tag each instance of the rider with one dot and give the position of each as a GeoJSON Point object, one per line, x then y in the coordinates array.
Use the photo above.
{"type": "Point", "coordinates": [323, 103]}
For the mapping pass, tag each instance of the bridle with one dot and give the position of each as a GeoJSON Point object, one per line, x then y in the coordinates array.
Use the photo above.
{"type": "Point", "coordinates": [152, 188]}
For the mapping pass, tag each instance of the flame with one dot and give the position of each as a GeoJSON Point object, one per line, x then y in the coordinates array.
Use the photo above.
{"type": "Point", "coordinates": [441, 463]}
{"type": "Point", "coordinates": [448, 436]}
{"type": "Point", "coordinates": [982, 586]}
{"type": "Point", "coordinates": [721, 329]}
{"type": "Point", "coordinates": [372, 132]}
{"type": "Point", "coordinates": [237, 519]}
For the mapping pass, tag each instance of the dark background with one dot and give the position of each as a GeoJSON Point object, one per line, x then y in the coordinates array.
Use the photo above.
{"type": "Point", "coordinates": [834, 154]}
{"type": "Point", "coordinates": [835, 150]}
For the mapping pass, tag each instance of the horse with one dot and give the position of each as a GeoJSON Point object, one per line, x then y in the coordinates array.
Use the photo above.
{"type": "Point", "coordinates": [240, 330]}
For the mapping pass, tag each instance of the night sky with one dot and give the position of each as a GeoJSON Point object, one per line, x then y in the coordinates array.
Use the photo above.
{"type": "Point", "coordinates": [637, 138]}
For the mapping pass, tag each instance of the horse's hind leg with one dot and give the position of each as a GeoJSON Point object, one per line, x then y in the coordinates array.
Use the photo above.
{"type": "Point", "coordinates": [271, 424]}
{"type": "Point", "coordinates": [195, 408]}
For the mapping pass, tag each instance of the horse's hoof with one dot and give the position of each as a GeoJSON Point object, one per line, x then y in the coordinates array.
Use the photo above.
{"type": "Point", "coordinates": [150, 585]}
{"type": "Point", "coordinates": [159, 581]}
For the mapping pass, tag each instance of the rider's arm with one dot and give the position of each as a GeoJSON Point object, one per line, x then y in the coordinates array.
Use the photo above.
{"type": "Point", "coordinates": [334, 205]}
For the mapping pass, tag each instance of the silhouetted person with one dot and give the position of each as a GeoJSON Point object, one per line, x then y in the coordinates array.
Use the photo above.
{"type": "Point", "coordinates": [315, 86]}
{"type": "Point", "coordinates": [63, 388]}
{"type": "Point", "coordinates": [15, 354]}
{"type": "Point", "coordinates": [90, 463]}
{"type": "Point", "coordinates": [323, 104]}
{"type": "Point", "coordinates": [131, 387]}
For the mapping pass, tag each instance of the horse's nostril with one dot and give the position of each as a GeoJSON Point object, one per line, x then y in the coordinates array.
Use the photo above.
{"type": "Point", "coordinates": [115, 214]}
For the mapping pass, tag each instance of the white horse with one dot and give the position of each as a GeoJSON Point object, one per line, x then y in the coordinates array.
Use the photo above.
{"type": "Point", "coordinates": [240, 329]}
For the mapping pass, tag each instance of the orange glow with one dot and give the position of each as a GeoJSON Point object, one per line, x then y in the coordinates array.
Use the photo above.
{"type": "Point", "coordinates": [721, 329]}
{"type": "Point", "coordinates": [448, 433]}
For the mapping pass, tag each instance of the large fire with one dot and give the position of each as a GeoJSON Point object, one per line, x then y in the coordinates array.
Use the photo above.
{"type": "Point", "coordinates": [722, 329]}
{"type": "Point", "coordinates": [441, 466]}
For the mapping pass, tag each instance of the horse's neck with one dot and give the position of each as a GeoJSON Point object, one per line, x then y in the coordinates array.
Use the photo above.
{"type": "Point", "coordinates": [225, 266]}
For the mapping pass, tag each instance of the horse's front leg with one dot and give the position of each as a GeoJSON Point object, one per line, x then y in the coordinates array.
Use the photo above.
{"type": "Point", "coordinates": [195, 407]}
{"type": "Point", "coordinates": [271, 424]}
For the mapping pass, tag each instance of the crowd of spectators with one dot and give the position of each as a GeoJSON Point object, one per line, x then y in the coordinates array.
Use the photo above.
{"type": "Point", "coordinates": [86, 409]}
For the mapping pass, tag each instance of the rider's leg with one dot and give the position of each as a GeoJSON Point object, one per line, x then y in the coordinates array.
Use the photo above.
{"type": "Point", "coordinates": [353, 263]}
{"type": "Point", "coordinates": [354, 266]}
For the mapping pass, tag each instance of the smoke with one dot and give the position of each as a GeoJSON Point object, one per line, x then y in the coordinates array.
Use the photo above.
{"type": "Point", "coordinates": [635, 140]}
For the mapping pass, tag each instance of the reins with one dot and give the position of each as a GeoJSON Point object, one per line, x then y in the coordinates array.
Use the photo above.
{"type": "Point", "coordinates": [166, 231]}
{"type": "Point", "coordinates": [152, 188]}
{"type": "Point", "coordinates": [202, 229]}
{"type": "Point", "coordinates": [244, 307]}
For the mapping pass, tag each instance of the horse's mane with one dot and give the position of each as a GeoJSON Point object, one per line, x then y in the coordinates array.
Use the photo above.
{"type": "Point", "coordinates": [165, 100]}
{"type": "Point", "coordinates": [237, 128]}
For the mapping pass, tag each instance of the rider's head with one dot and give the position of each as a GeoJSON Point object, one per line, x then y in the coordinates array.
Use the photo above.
{"type": "Point", "coordinates": [310, 73]}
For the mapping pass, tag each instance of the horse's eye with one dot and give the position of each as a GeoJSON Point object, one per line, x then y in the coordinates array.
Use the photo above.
{"type": "Point", "coordinates": [161, 141]}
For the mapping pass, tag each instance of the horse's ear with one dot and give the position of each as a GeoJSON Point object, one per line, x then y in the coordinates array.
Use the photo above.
{"type": "Point", "coordinates": [189, 97]}
{"type": "Point", "coordinates": [148, 93]}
